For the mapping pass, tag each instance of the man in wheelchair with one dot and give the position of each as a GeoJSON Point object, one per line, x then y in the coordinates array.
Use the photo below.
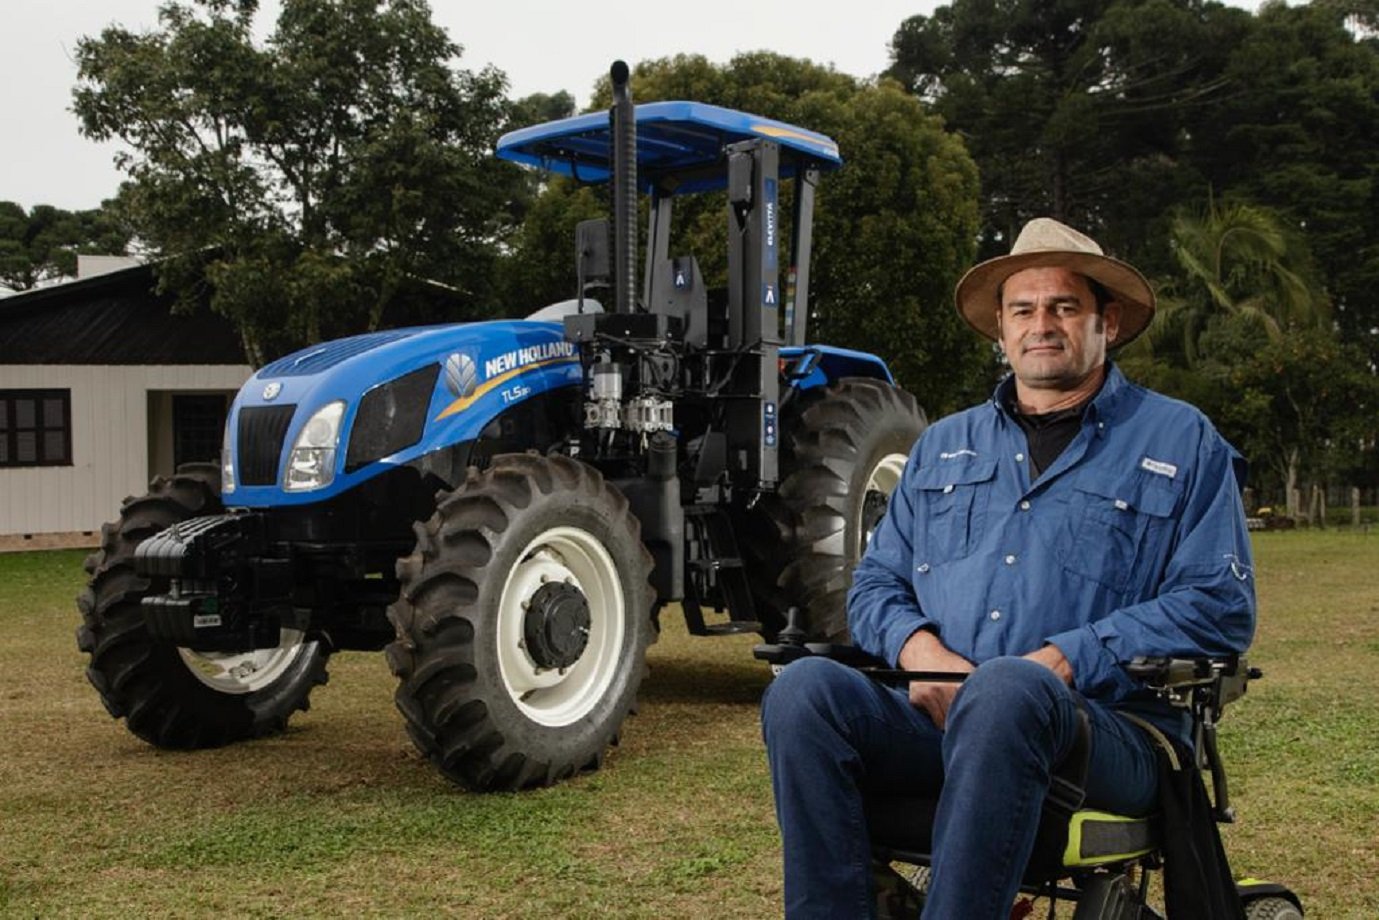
{"type": "Point", "coordinates": [1036, 546]}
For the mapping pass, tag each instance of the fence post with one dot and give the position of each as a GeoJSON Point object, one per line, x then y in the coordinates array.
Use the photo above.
{"type": "Point", "coordinates": [1355, 506]}
{"type": "Point", "coordinates": [1319, 506]}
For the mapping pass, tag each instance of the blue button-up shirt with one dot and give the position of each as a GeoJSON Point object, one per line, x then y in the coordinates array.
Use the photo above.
{"type": "Point", "coordinates": [1132, 542]}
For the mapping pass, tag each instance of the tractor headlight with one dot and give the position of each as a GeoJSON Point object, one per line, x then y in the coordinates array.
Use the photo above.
{"type": "Point", "coordinates": [311, 465]}
{"type": "Point", "coordinates": [227, 464]}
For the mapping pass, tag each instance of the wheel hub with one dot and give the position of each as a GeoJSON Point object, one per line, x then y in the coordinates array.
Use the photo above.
{"type": "Point", "coordinates": [246, 672]}
{"type": "Point", "coordinates": [528, 658]}
{"type": "Point", "coordinates": [555, 628]}
{"type": "Point", "coordinates": [884, 480]}
{"type": "Point", "coordinates": [873, 510]}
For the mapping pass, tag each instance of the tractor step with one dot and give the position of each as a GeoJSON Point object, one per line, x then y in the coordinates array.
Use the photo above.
{"type": "Point", "coordinates": [716, 561]}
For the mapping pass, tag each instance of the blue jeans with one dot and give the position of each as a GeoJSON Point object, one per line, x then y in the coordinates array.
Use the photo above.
{"type": "Point", "coordinates": [833, 733]}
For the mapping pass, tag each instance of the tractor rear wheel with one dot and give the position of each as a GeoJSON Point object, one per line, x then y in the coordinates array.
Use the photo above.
{"type": "Point", "coordinates": [522, 624]}
{"type": "Point", "coordinates": [843, 450]}
{"type": "Point", "coordinates": [175, 697]}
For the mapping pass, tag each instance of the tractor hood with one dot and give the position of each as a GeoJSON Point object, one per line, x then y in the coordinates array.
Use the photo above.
{"type": "Point", "coordinates": [318, 422]}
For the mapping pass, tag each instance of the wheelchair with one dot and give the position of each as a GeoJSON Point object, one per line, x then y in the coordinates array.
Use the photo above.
{"type": "Point", "coordinates": [1103, 864]}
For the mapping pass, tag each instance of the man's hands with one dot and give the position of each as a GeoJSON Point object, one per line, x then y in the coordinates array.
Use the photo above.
{"type": "Point", "coordinates": [924, 652]}
{"type": "Point", "coordinates": [1051, 657]}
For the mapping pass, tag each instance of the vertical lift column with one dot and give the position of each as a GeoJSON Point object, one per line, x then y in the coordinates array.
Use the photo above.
{"type": "Point", "coordinates": [754, 301]}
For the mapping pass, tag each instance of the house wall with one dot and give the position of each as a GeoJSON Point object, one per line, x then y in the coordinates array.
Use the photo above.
{"type": "Point", "coordinates": [111, 443]}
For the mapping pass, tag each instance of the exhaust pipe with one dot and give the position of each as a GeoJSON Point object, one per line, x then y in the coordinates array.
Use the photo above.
{"type": "Point", "coordinates": [624, 131]}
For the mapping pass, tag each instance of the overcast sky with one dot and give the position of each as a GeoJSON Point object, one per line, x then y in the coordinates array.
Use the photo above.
{"type": "Point", "coordinates": [542, 47]}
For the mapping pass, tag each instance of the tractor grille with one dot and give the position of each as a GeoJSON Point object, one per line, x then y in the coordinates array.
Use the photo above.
{"type": "Point", "coordinates": [261, 432]}
{"type": "Point", "coordinates": [391, 417]}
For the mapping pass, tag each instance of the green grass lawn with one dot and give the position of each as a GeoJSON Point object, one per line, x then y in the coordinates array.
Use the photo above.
{"type": "Point", "coordinates": [340, 816]}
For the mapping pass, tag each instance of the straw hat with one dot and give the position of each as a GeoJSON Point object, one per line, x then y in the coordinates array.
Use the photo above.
{"type": "Point", "coordinates": [1046, 243]}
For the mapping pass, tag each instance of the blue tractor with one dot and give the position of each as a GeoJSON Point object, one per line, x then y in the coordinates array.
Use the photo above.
{"type": "Point", "coordinates": [506, 507]}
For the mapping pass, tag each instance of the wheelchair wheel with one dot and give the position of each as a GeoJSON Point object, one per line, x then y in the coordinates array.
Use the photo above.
{"type": "Point", "coordinates": [1107, 897]}
{"type": "Point", "coordinates": [898, 889]}
{"type": "Point", "coordinates": [1272, 909]}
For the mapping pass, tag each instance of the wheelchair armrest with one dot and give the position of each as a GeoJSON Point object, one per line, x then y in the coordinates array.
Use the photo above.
{"type": "Point", "coordinates": [1173, 672]}
{"type": "Point", "coordinates": [850, 655]}
{"type": "Point", "coordinates": [785, 652]}
{"type": "Point", "coordinates": [1203, 686]}
{"type": "Point", "coordinates": [779, 653]}
{"type": "Point", "coordinates": [1232, 671]}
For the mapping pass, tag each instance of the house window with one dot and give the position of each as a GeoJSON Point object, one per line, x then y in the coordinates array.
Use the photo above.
{"type": "Point", "coordinates": [35, 428]}
{"type": "Point", "coordinates": [198, 426]}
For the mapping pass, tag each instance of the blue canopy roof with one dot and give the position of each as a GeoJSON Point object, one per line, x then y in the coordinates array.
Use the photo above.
{"type": "Point", "coordinates": [672, 138]}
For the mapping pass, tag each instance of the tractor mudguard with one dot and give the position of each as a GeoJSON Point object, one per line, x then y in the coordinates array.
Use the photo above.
{"type": "Point", "coordinates": [810, 366]}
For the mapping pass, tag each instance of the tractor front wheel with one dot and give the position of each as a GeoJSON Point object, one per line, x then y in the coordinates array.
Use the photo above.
{"type": "Point", "coordinates": [522, 624]}
{"type": "Point", "coordinates": [176, 697]}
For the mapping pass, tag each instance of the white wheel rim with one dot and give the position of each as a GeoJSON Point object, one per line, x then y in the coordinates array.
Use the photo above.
{"type": "Point", "coordinates": [884, 478]}
{"type": "Point", "coordinates": [560, 696]}
{"type": "Point", "coordinates": [245, 672]}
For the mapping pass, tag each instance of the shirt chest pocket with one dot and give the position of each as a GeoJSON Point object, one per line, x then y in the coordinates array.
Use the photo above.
{"type": "Point", "coordinates": [1116, 527]}
{"type": "Point", "coordinates": [951, 512]}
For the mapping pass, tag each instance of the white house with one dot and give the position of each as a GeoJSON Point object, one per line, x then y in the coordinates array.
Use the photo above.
{"type": "Point", "coordinates": [101, 389]}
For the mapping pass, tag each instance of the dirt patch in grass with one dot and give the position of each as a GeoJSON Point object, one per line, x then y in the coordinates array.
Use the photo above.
{"type": "Point", "coordinates": [341, 816]}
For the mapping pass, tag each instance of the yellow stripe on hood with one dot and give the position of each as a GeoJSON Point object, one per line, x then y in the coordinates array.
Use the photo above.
{"type": "Point", "coordinates": [464, 402]}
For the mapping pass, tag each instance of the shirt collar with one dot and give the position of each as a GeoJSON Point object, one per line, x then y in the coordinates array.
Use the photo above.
{"type": "Point", "coordinates": [1102, 407]}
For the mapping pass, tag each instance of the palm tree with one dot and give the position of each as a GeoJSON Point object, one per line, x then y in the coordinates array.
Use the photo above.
{"type": "Point", "coordinates": [1236, 261]}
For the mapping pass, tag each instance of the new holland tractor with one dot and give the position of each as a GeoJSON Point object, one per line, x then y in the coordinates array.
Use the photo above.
{"type": "Point", "coordinates": [506, 507]}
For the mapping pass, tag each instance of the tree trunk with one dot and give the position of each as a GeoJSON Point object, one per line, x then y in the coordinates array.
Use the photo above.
{"type": "Point", "coordinates": [1290, 484]}
{"type": "Point", "coordinates": [252, 353]}
{"type": "Point", "coordinates": [1060, 186]}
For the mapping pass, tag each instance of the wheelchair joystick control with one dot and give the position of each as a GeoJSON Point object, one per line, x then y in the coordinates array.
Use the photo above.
{"type": "Point", "coordinates": [792, 634]}
{"type": "Point", "coordinates": [789, 645]}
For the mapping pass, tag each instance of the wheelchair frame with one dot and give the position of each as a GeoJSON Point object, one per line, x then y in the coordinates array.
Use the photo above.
{"type": "Point", "coordinates": [1102, 888]}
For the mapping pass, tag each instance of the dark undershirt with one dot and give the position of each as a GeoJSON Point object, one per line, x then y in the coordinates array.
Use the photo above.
{"type": "Point", "coordinates": [1048, 434]}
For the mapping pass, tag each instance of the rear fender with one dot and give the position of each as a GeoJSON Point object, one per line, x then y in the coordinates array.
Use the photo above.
{"type": "Point", "coordinates": [810, 366]}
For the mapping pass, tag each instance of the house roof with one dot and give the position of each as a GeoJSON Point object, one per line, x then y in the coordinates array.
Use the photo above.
{"type": "Point", "coordinates": [115, 318]}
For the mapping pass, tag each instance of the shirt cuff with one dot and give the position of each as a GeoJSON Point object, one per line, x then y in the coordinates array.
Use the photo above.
{"type": "Point", "coordinates": [897, 632]}
{"type": "Point", "coordinates": [1095, 669]}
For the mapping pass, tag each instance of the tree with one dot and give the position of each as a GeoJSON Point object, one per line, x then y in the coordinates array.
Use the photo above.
{"type": "Point", "coordinates": [1297, 406]}
{"type": "Point", "coordinates": [1298, 133]}
{"type": "Point", "coordinates": [893, 229]}
{"type": "Point", "coordinates": [1238, 322]}
{"type": "Point", "coordinates": [1235, 261]}
{"type": "Point", "coordinates": [42, 244]}
{"type": "Point", "coordinates": [311, 182]}
{"type": "Point", "coordinates": [1074, 109]}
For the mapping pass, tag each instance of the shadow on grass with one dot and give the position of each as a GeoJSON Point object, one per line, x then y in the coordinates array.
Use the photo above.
{"type": "Point", "coordinates": [686, 680]}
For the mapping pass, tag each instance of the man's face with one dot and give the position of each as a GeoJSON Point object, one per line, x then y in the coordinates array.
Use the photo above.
{"type": "Point", "coordinates": [1050, 330]}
